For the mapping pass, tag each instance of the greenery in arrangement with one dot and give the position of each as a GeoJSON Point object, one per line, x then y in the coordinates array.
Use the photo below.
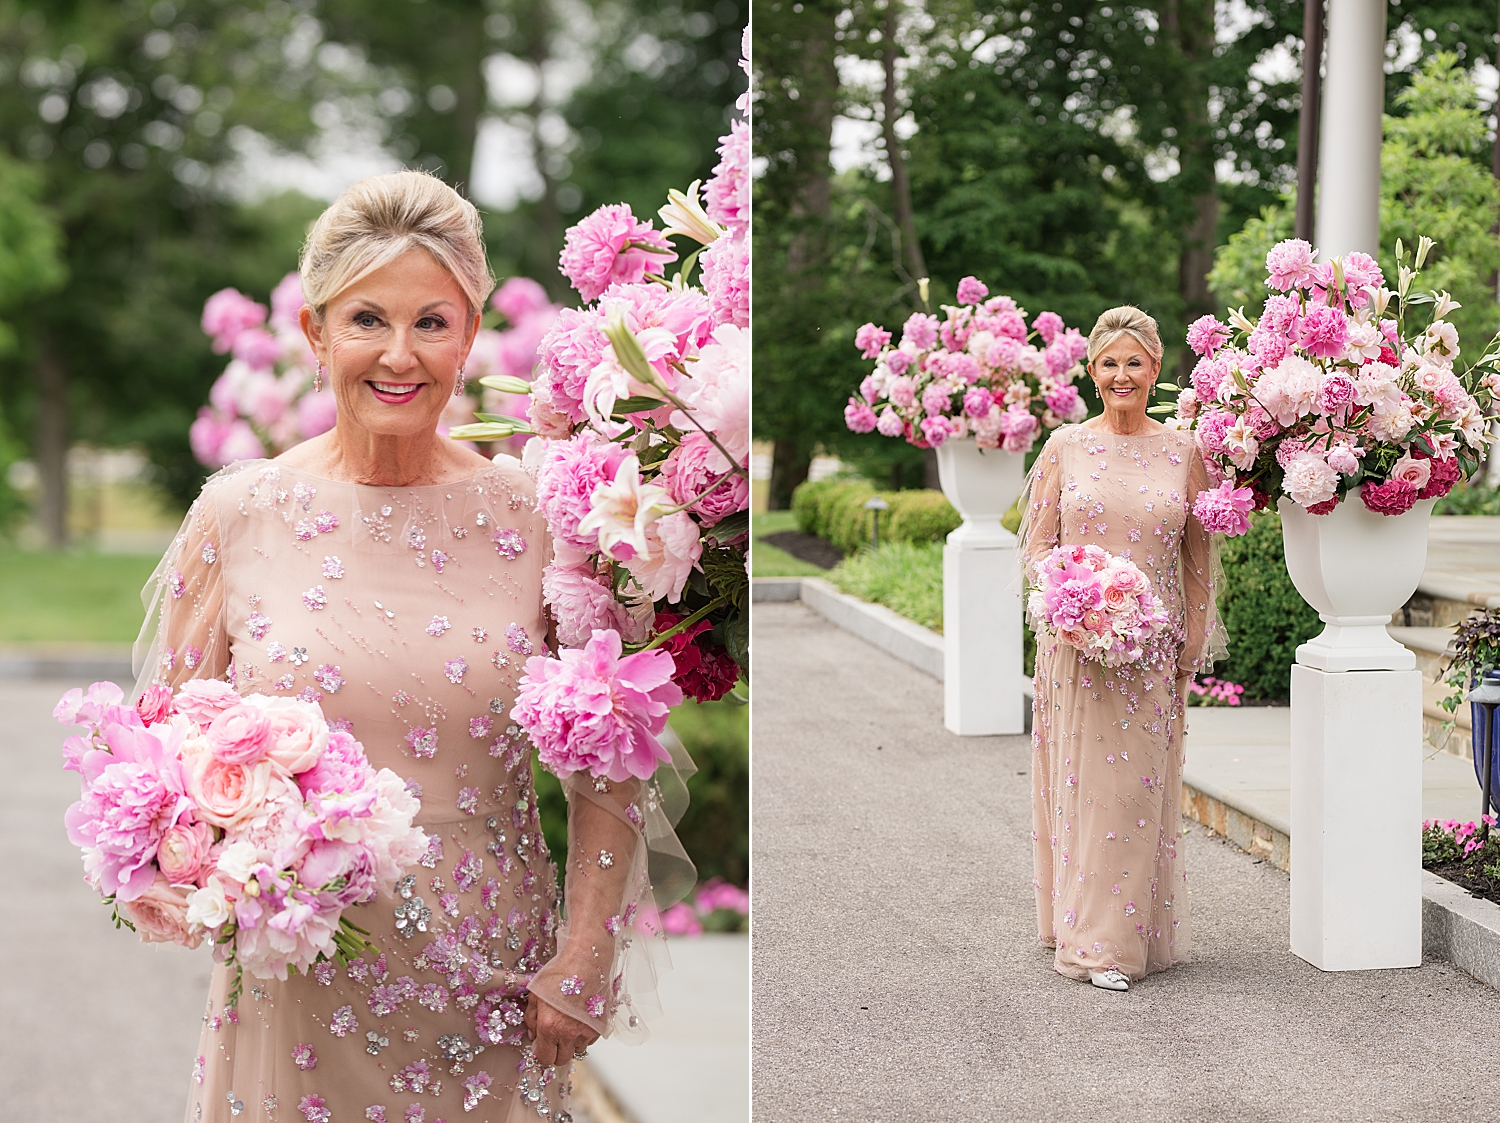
{"type": "Point", "coordinates": [833, 509]}
{"type": "Point", "coordinates": [71, 598]}
{"type": "Point", "coordinates": [715, 831]}
{"type": "Point", "coordinates": [1264, 614]}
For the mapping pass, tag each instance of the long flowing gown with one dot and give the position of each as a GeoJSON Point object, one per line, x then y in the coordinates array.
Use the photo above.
{"type": "Point", "coordinates": [408, 614]}
{"type": "Point", "coordinates": [1108, 743]}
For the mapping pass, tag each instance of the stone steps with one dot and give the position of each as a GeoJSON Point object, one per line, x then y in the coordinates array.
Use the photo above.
{"type": "Point", "coordinates": [1429, 644]}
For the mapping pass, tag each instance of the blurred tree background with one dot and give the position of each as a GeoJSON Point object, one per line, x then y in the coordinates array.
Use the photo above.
{"type": "Point", "coordinates": [154, 152]}
{"type": "Point", "coordinates": [1073, 154]}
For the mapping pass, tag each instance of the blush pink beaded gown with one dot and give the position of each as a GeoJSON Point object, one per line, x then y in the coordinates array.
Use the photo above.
{"type": "Point", "coordinates": [408, 614]}
{"type": "Point", "coordinates": [1108, 743]}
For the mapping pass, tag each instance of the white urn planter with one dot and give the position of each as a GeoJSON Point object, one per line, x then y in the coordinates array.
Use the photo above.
{"type": "Point", "coordinates": [982, 593]}
{"type": "Point", "coordinates": [1356, 568]}
{"type": "Point", "coordinates": [1356, 767]}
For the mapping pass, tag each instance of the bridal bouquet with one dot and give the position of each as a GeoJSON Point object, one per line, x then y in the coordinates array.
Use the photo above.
{"type": "Point", "coordinates": [248, 820]}
{"type": "Point", "coordinates": [977, 372]}
{"type": "Point", "coordinates": [1331, 389]}
{"type": "Point", "coordinates": [1097, 602]}
{"type": "Point", "coordinates": [640, 406]}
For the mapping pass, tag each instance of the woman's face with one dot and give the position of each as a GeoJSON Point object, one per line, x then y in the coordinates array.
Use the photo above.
{"type": "Point", "coordinates": [1124, 374]}
{"type": "Point", "coordinates": [391, 345]}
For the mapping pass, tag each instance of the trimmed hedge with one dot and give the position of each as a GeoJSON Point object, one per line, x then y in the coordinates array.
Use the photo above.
{"type": "Point", "coordinates": [1264, 614]}
{"type": "Point", "coordinates": [833, 509]}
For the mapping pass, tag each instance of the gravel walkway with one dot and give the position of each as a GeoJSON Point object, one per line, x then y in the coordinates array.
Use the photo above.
{"type": "Point", "coordinates": [897, 976]}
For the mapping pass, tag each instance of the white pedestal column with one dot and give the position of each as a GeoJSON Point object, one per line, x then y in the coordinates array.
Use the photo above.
{"type": "Point", "coordinates": [1357, 818]}
{"type": "Point", "coordinates": [982, 590]}
{"type": "Point", "coordinates": [1350, 131]}
{"type": "Point", "coordinates": [982, 636]}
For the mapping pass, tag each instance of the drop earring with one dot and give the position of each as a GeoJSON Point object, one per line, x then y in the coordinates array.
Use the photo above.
{"type": "Point", "coordinates": [318, 378]}
{"type": "Point", "coordinates": [460, 385]}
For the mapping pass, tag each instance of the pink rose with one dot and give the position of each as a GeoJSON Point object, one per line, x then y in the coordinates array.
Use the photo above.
{"type": "Point", "coordinates": [183, 852]}
{"type": "Point", "coordinates": [1115, 598]}
{"type": "Point", "coordinates": [1127, 580]}
{"type": "Point", "coordinates": [299, 734]}
{"type": "Point", "coordinates": [202, 700]}
{"type": "Point", "coordinates": [1413, 471]}
{"type": "Point", "coordinates": [239, 735]}
{"type": "Point", "coordinates": [154, 704]}
{"type": "Point", "coordinates": [160, 915]}
{"type": "Point", "coordinates": [228, 795]}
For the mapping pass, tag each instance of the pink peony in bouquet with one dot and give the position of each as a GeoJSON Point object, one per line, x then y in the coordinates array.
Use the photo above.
{"type": "Point", "coordinates": [1097, 602]}
{"type": "Point", "coordinates": [640, 416]}
{"type": "Point", "coordinates": [976, 373]}
{"type": "Point", "coordinates": [1331, 389]}
{"type": "Point", "coordinates": [246, 820]}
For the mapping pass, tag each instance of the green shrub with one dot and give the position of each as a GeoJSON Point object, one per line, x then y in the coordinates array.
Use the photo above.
{"type": "Point", "coordinates": [906, 577]}
{"type": "Point", "coordinates": [834, 509]}
{"type": "Point", "coordinates": [1472, 498]}
{"type": "Point", "coordinates": [1265, 616]}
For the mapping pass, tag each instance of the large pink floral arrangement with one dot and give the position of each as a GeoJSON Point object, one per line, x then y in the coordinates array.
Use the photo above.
{"type": "Point", "coordinates": [266, 400]}
{"type": "Point", "coordinates": [1332, 389]}
{"type": "Point", "coordinates": [246, 820]}
{"type": "Point", "coordinates": [1099, 603]}
{"type": "Point", "coordinates": [979, 371]}
{"type": "Point", "coordinates": [640, 411]}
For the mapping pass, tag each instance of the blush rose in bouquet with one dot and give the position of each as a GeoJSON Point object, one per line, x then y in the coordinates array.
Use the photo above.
{"type": "Point", "coordinates": [639, 411]}
{"type": "Point", "coordinates": [1098, 602]}
{"type": "Point", "coordinates": [1333, 389]}
{"type": "Point", "coordinates": [976, 372]}
{"type": "Point", "coordinates": [248, 821]}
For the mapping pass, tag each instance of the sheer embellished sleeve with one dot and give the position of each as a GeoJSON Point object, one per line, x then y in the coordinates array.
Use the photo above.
{"type": "Point", "coordinates": [1041, 520]}
{"type": "Point", "coordinates": [625, 864]}
{"type": "Point", "coordinates": [183, 636]}
{"type": "Point", "coordinates": [1202, 579]}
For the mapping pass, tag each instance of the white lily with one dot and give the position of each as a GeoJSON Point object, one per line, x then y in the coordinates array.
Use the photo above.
{"type": "Point", "coordinates": [1445, 304]}
{"type": "Point", "coordinates": [684, 215]}
{"type": "Point", "coordinates": [622, 510]}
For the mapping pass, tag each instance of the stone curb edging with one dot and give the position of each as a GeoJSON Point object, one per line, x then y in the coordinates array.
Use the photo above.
{"type": "Point", "coordinates": [1462, 929]}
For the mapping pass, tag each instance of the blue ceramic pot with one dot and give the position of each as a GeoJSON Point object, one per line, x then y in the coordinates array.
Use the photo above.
{"type": "Point", "coordinates": [1477, 720]}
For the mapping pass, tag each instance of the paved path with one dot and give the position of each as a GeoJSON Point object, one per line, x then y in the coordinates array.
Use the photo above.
{"type": "Point", "coordinates": [897, 975]}
{"type": "Point", "coordinates": [96, 1028]}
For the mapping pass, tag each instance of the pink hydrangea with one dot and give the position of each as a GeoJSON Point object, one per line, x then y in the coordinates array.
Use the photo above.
{"type": "Point", "coordinates": [591, 710]}
{"type": "Point", "coordinates": [726, 195]}
{"type": "Point", "coordinates": [971, 290]}
{"type": "Point", "coordinates": [569, 473]}
{"type": "Point", "coordinates": [1394, 497]}
{"type": "Point", "coordinates": [726, 279]}
{"type": "Point", "coordinates": [1445, 473]}
{"type": "Point", "coordinates": [226, 314]}
{"type": "Point", "coordinates": [612, 247]}
{"type": "Point", "coordinates": [870, 340]}
{"type": "Point", "coordinates": [1225, 509]}
{"type": "Point", "coordinates": [1324, 332]}
{"type": "Point", "coordinates": [920, 330]}
{"type": "Point", "coordinates": [1289, 265]}
{"type": "Point", "coordinates": [1206, 335]}
{"type": "Point", "coordinates": [696, 463]}
{"type": "Point", "coordinates": [1047, 325]}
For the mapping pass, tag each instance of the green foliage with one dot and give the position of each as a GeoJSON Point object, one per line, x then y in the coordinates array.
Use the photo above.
{"type": "Point", "coordinates": [1473, 497]}
{"type": "Point", "coordinates": [906, 577]}
{"type": "Point", "coordinates": [1265, 616]}
{"type": "Point", "coordinates": [1238, 278]}
{"type": "Point", "coordinates": [715, 831]}
{"type": "Point", "coordinates": [834, 509]}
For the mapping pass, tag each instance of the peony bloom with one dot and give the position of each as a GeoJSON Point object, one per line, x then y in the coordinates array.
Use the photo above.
{"type": "Point", "coordinates": [871, 340]}
{"type": "Point", "coordinates": [936, 430]}
{"type": "Point", "coordinates": [1289, 265]}
{"type": "Point", "coordinates": [971, 290]}
{"type": "Point", "coordinates": [977, 401]}
{"type": "Point", "coordinates": [316, 414]}
{"type": "Point", "coordinates": [1208, 375]}
{"type": "Point", "coordinates": [1047, 325]}
{"type": "Point", "coordinates": [1206, 335]}
{"type": "Point", "coordinates": [1324, 332]}
{"type": "Point", "coordinates": [705, 670]}
{"type": "Point", "coordinates": [201, 700]}
{"type": "Point", "coordinates": [902, 392]}
{"type": "Point", "coordinates": [858, 416]}
{"type": "Point", "coordinates": [726, 279]}
{"type": "Point", "coordinates": [890, 424]}
{"type": "Point", "coordinates": [673, 547]}
{"type": "Point", "coordinates": [1309, 480]}
{"type": "Point", "coordinates": [621, 510]}
{"type": "Point", "coordinates": [1336, 392]}
{"type": "Point", "coordinates": [581, 604]}
{"type": "Point", "coordinates": [570, 473]}
{"type": "Point", "coordinates": [696, 464]}
{"type": "Point", "coordinates": [589, 709]}
{"type": "Point", "coordinates": [897, 361]}
{"type": "Point", "coordinates": [727, 194]}
{"type": "Point", "coordinates": [226, 314]}
{"type": "Point", "coordinates": [1067, 404]}
{"type": "Point", "coordinates": [1394, 497]}
{"type": "Point", "coordinates": [1225, 509]}
{"type": "Point", "coordinates": [286, 304]}
{"type": "Point", "coordinates": [612, 247]}
{"type": "Point", "coordinates": [936, 399]}
{"type": "Point", "coordinates": [920, 330]}
{"type": "Point", "coordinates": [519, 298]}
{"type": "Point", "coordinates": [1342, 459]}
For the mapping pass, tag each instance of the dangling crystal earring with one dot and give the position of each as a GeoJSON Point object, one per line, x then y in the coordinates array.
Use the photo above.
{"type": "Point", "coordinates": [318, 378]}
{"type": "Point", "coordinates": [458, 387]}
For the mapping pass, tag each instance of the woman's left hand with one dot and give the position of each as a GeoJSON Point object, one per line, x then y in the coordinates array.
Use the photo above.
{"type": "Point", "coordinates": [558, 1038]}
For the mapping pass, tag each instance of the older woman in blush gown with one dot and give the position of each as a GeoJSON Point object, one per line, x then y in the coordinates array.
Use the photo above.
{"type": "Point", "coordinates": [1108, 742]}
{"type": "Point", "coordinates": [394, 577]}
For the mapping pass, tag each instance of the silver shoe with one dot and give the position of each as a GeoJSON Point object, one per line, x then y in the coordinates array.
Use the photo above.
{"type": "Point", "coordinates": [1109, 980]}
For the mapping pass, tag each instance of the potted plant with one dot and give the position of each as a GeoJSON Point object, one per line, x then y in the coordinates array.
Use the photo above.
{"type": "Point", "coordinates": [1473, 658]}
{"type": "Point", "coordinates": [978, 386]}
{"type": "Point", "coordinates": [1354, 420]}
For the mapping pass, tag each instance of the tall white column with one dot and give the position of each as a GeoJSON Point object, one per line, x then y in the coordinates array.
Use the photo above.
{"type": "Point", "coordinates": [1349, 139]}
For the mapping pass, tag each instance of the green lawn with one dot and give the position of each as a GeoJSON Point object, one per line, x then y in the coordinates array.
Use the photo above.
{"type": "Point", "coordinates": [906, 577]}
{"type": "Point", "coordinates": [71, 598]}
{"type": "Point", "coordinates": [766, 560]}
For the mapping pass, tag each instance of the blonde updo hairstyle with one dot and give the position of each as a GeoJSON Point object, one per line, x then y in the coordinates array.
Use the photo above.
{"type": "Point", "coordinates": [379, 219]}
{"type": "Point", "coordinates": [1125, 320]}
